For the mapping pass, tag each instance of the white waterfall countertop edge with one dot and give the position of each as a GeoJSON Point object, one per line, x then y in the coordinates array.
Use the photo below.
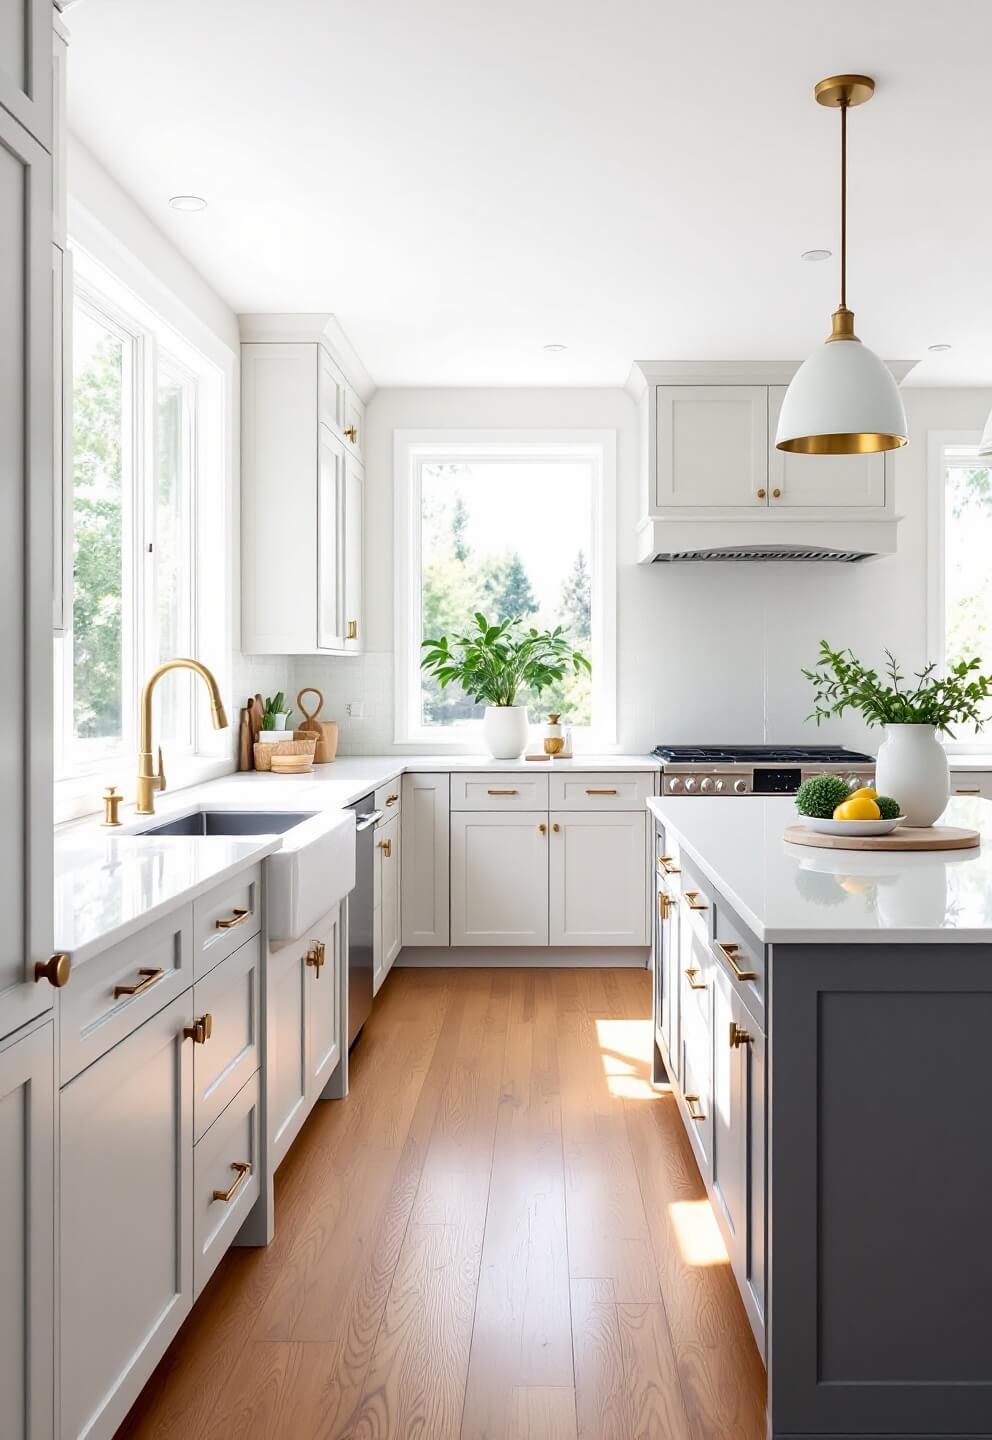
{"type": "Point", "coordinates": [800, 895]}
{"type": "Point", "coordinates": [111, 883]}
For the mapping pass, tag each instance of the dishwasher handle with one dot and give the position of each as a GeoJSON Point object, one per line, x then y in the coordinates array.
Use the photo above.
{"type": "Point", "coordinates": [366, 821]}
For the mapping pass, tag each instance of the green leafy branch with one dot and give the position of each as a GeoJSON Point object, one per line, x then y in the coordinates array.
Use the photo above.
{"type": "Point", "coordinates": [842, 682]}
{"type": "Point", "coordinates": [493, 661]}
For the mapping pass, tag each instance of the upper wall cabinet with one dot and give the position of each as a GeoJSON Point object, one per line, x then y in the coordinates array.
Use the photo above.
{"type": "Point", "coordinates": [302, 502]}
{"type": "Point", "coordinates": [712, 445]}
{"type": "Point", "coordinates": [25, 65]}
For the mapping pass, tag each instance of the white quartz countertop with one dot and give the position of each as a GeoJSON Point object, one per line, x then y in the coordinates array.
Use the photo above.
{"type": "Point", "coordinates": [792, 893]}
{"type": "Point", "coordinates": [108, 883]}
{"type": "Point", "coordinates": [108, 886]}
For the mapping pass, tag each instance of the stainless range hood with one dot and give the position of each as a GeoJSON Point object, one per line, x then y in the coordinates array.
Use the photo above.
{"type": "Point", "coordinates": [699, 538]}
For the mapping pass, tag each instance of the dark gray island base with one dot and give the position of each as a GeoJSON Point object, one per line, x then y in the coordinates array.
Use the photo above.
{"type": "Point", "coordinates": [837, 1095]}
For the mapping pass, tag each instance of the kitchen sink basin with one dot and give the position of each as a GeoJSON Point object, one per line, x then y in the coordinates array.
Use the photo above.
{"type": "Point", "coordinates": [229, 822]}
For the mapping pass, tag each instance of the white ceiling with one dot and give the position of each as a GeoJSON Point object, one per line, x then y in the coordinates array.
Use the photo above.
{"type": "Point", "coordinates": [461, 183]}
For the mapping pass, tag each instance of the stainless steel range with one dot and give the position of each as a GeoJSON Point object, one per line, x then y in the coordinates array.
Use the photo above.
{"type": "Point", "coordinates": [756, 769]}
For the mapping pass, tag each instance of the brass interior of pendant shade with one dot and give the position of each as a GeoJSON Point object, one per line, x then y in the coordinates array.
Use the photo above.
{"type": "Point", "coordinates": [857, 444]}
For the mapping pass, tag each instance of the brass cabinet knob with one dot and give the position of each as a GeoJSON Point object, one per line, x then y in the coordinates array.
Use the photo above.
{"type": "Point", "coordinates": [556, 827]}
{"type": "Point", "coordinates": [543, 828]}
{"type": "Point", "coordinates": [55, 970]}
{"type": "Point", "coordinates": [738, 1036]}
{"type": "Point", "coordinates": [762, 493]}
{"type": "Point", "coordinates": [351, 433]}
{"type": "Point", "coordinates": [386, 846]}
{"type": "Point", "coordinates": [201, 1029]}
{"type": "Point", "coordinates": [111, 805]}
{"type": "Point", "coordinates": [351, 633]}
{"type": "Point", "coordinates": [776, 493]}
{"type": "Point", "coordinates": [315, 957]}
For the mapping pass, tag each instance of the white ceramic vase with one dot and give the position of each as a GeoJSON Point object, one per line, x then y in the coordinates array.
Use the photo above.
{"type": "Point", "coordinates": [505, 731]}
{"type": "Point", "coordinates": [912, 768]}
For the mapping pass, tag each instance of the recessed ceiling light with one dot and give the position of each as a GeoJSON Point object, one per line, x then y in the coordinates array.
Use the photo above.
{"type": "Point", "coordinates": [554, 349]}
{"type": "Point", "coordinates": [187, 202]}
{"type": "Point", "coordinates": [817, 254]}
{"type": "Point", "coordinates": [938, 349]}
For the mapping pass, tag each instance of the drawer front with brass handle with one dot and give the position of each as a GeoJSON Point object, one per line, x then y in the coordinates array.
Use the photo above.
{"type": "Point", "coordinates": [114, 992]}
{"type": "Point", "coordinates": [225, 1179]}
{"type": "Point", "coordinates": [600, 789]}
{"type": "Point", "coordinates": [525, 791]}
{"type": "Point", "coordinates": [388, 799]}
{"type": "Point", "coordinates": [742, 957]}
{"type": "Point", "coordinates": [228, 1053]}
{"type": "Point", "coordinates": [225, 918]}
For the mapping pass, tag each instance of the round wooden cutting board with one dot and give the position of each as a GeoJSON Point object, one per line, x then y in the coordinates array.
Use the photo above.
{"type": "Point", "coordinates": [935, 837]}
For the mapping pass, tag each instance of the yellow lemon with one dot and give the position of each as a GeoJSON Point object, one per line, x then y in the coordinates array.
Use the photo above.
{"type": "Point", "coordinates": [865, 792]}
{"type": "Point", "coordinates": [859, 807]}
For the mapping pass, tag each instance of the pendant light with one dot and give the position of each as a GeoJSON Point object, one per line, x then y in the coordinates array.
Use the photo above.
{"type": "Point", "coordinates": [843, 400]}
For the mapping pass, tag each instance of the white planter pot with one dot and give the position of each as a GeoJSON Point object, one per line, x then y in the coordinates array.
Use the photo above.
{"type": "Point", "coordinates": [505, 730]}
{"type": "Point", "coordinates": [279, 720]}
{"type": "Point", "coordinates": [912, 768]}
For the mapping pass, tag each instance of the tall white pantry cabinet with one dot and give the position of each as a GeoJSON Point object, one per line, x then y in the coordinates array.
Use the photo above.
{"type": "Point", "coordinates": [27, 1076]}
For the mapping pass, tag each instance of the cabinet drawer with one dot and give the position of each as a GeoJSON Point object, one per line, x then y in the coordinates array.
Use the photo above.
{"type": "Point", "coordinates": [697, 1098]}
{"type": "Point", "coordinates": [156, 964]}
{"type": "Point", "coordinates": [742, 957]}
{"type": "Point", "coordinates": [513, 791]}
{"type": "Point", "coordinates": [225, 918]}
{"type": "Point", "coordinates": [223, 1061]}
{"type": "Point", "coordinates": [593, 790]}
{"type": "Point", "coordinates": [697, 902]}
{"type": "Point", "coordinates": [331, 387]}
{"type": "Point", "coordinates": [388, 799]}
{"type": "Point", "coordinates": [228, 1145]}
{"type": "Point", "coordinates": [977, 782]}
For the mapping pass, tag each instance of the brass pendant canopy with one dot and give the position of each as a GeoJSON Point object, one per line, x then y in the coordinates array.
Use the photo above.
{"type": "Point", "coordinates": [843, 400]}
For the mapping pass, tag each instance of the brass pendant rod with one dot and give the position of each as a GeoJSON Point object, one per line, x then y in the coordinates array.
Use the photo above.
{"type": "Point", "coordinates": [843, 204]}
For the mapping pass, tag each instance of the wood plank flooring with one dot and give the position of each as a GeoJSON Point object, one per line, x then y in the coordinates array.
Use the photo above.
{"type": "Point", "coordinates": [485, 1241]}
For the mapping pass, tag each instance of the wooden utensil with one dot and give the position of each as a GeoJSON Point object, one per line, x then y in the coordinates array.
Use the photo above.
{"type": "Point", "coordinates": [245, 758]}
{"type": "Point", "coordinates": [324, 731]}
{"type": "Point", "coordinates": [934, 837]}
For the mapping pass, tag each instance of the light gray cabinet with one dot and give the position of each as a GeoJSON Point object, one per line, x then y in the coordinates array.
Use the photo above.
{"type": "Point", "coordinates": [25, 510]}
{"type": "Point", "coordinates": [27, 1235]}
{"type": "Point", "coordinates": [424, 879]}
{"type": "Point", "coordinates": [126, 1218]}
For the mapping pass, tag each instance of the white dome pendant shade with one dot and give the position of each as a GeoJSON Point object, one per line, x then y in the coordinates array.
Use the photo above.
{"type": "Point", "coordinates": [843, 400]}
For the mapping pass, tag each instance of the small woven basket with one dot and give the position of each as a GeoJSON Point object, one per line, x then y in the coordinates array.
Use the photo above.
{"type": "Point", "coordinates": [264, 753]}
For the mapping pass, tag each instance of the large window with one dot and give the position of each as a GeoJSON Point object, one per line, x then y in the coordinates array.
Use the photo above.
{"type": "Point", "coordinates": [144, 406]}
{"type": "Point", "coordinates": [960, 533]}
{"type": "Point", "coordinates": [509, 526]}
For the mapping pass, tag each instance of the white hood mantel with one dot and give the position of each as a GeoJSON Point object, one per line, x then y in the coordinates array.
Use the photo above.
{"type": "Point", "coordinates": [762, 535]}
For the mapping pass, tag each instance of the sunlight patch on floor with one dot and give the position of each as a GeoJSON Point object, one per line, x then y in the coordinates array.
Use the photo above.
{"type": "Point", "coordinates": [625, 1047]}
{"type": "Point", "coordinates": [697, 1233]}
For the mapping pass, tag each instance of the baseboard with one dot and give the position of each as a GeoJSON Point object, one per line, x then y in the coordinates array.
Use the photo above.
{"type": "Point", "coordinates": [516, 957]}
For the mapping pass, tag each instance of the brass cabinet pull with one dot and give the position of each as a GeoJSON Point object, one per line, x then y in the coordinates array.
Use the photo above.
{"type": "Point", "coordinates": [776, 493]}
{"type": "Point", "coordinates": [502, 792]}
{"type": "Point", "coordinates": [690, 975]}
{"type": "Point", "coordinates": [352, 631]}
{"type": "Point", "coordinates": [235, 919]}
{"type": "Point", "coordinates": [148, 979]}
{"type": "Point", "coordinates": [738, 1036]}
{"type": "Point", "coordinates": [391, 799]}
{"type": "Point", "coordinates": [351, 433]}
{"type": "Point", "coordinates": [556, 827]}
{"type": "Point", "coordinates": [243, 1168]}
{"type": "Point", "coordinates": [386, 846]}
{"type": "Point", "coordinates": [691, 898]}
{"type": "Point", "coordinates": [55, 970]}
{"type": "Point", "coordinates": [201, 1029]}
{"type": "Point", "coordinates": [664, 905]}
{"type": "Point", "coordinates": [668, 865]}
{"type": "Point", "coordinates": [729, 950]}
{"type": "Point", "coordinates": [969, 790]}
{"type": "Point", "coordinates": [543, 828]}
{"type": "Point", "coordinates": [692, 1105]}
{"type": "Point", "coordinates": [762, 493]}
{"type": "Point", "coordinates": [316, 956]}
{"type": "Point", "coordinates": [601, 792]}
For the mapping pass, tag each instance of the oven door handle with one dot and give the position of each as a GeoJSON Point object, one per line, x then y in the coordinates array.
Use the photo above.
{"type": "Point", "coordinates": [370, 818]}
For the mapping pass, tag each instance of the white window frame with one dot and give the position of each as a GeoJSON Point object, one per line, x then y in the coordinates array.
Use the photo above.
{"type": "Point", "coordinates": [938, 443]}
{"type": "Point", "coordinates": [412, 449]}
{"type": "Point", "coordinates": [77, 787]}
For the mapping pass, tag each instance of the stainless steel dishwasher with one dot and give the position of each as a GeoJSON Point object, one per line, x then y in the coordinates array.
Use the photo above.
{"type": "Point", "coordinates": [361, 909]}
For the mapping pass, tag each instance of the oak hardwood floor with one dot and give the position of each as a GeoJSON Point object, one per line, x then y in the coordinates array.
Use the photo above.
{"type": "Point", "coordinates": [485, 1241]}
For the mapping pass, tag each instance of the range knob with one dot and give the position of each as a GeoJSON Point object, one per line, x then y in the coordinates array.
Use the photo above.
{"type": "Point", "coordinates": [675, 783]}
{"type": "Point", "coordinates": [719, 785]}
{"type": "Point", "coordinates": [740, 786]}
{"type": "Point", "coordinates": [706, 785]}
{"type": "Point", "coordinates": [690, 784]}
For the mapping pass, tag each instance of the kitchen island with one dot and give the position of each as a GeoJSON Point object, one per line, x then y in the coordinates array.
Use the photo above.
{"type": "Point", "coordinates": [823, 1019]}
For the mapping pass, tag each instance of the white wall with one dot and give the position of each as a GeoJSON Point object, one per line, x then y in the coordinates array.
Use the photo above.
{"type": "Point", "coordinates": [707, 653]}
{"type": "Point", "coordinates": [118, 234]}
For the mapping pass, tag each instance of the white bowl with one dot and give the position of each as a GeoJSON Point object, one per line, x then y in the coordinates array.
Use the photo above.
{"type": "Point", "coordinates": [852, 827]}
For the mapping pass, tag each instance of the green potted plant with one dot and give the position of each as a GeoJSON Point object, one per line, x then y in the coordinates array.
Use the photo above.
{"type": "Point", "coordinates": [493, 663]}
{"type": "Point", "coordinates": [275, 718]}
{"type": "Point", "coordinates": [911, 764]}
